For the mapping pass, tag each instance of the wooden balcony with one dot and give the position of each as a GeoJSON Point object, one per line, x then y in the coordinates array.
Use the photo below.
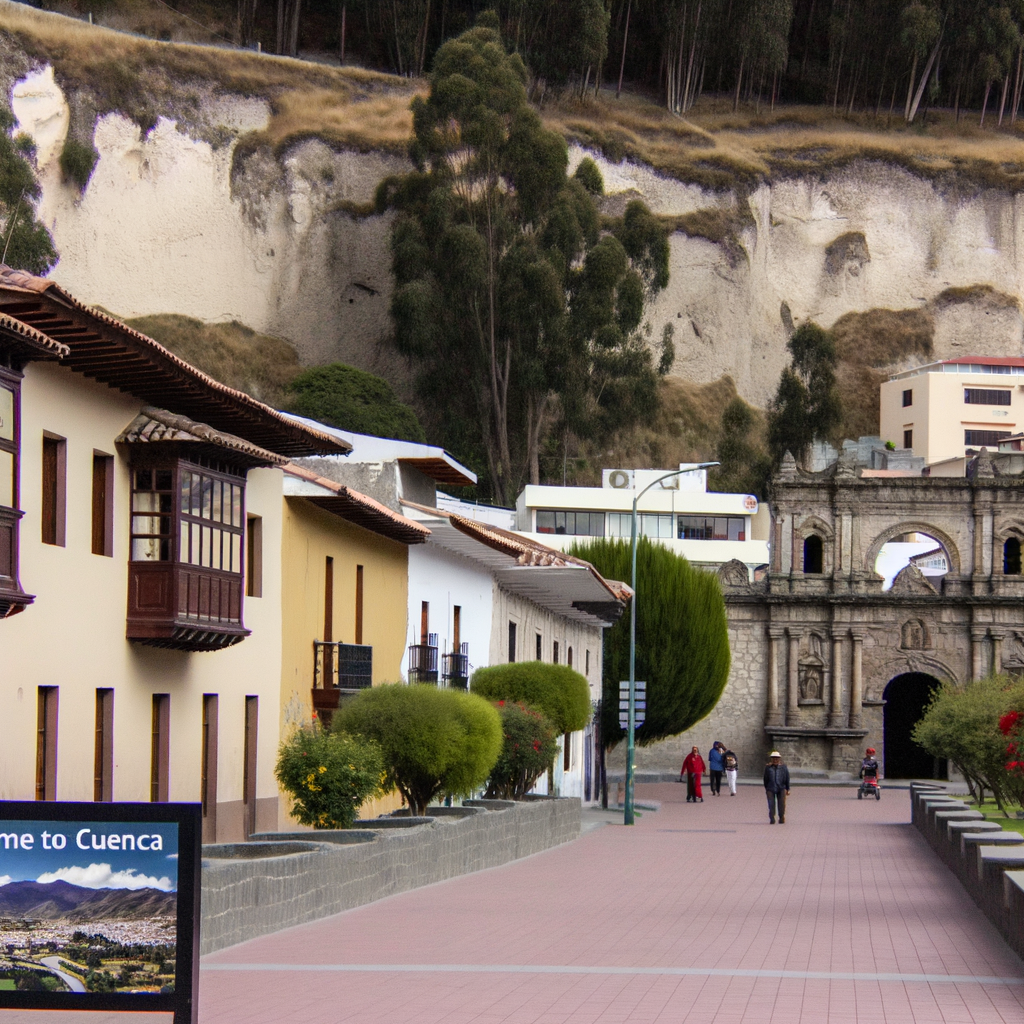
{"type": "Point", "coordinates": [423, 661]}
{"type": "Point", "coordinates": [12, 598]}
{"type": "Point", "coordinates": [184, 607]}
{"type": "Point", "coordinates": [339, 670]}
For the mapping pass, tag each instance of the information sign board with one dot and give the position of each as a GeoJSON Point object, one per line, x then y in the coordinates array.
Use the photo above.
{"type": "Point", "coordinates": [99, 907]}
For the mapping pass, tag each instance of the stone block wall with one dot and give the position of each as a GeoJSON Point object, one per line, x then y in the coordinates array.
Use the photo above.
{"type": "Point", "coordinates": [252, 889]}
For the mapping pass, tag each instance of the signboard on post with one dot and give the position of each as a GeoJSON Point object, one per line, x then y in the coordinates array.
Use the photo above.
{"type": "Point", "coordinates": [639, 704]}
{"type": "Point", "coordinates": [99, 907]}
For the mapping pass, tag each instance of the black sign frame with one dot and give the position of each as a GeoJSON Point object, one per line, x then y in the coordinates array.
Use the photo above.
{"type": "Point", "coordinates": [184, 1001]}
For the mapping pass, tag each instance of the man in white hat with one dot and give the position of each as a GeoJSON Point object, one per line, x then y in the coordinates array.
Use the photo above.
{"type": "Point", "coordinates": [776, 787]}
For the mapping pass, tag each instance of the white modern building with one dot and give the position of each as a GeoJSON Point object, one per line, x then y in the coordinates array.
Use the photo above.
{"type": "Point", "coordinates": [707, 527]}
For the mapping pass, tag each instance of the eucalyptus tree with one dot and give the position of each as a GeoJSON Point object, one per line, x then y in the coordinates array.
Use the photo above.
{"type": "Point", "coordinates": [519, 311]}
{"type": "Point", "coordinates": [24, 242]}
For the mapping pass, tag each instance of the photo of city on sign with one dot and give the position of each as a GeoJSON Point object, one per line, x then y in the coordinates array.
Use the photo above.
{"type": "Point", "coordinates": [88, 906]}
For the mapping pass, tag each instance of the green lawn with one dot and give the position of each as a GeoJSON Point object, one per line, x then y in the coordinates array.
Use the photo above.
{"type": "Point", "coordinates": [6, 984]}
{"type": "Point", "coordinates": [992, 813]}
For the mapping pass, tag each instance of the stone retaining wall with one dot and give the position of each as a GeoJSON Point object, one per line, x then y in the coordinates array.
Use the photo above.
{"type": "Point", "coordinates": [988, 860]}
{"type": "Point", "coordinates": [251, 889]}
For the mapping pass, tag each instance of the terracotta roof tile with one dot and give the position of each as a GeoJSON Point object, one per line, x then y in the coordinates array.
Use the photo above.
{"type": "Point", "coordinates": [30, 338]}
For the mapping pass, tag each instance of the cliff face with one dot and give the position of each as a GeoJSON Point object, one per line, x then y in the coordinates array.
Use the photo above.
{"type": "Point", "coordinates": [171, 221]}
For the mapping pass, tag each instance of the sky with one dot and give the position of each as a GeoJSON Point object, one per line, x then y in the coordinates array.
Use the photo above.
{"type": "Point", "coordinates": [101, 868]}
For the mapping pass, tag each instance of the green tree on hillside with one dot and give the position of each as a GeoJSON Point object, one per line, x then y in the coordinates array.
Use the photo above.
{"type": "Point", "coordinates": [744, 465]}
{"type": "Point", "coordinates": [807, 406]}
{"type": "Point", "coordinates": [352, 399]}
{"type": "Point", "coordinates": [682, 643]}
{"type": "Point", "coordinates": [24, 243]}
{"type": "Point", "coordinates": [520, 314]}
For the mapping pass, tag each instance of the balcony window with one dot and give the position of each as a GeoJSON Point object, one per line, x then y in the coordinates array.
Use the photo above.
{"type": "Point", "coordinates": [712, 528]}
{"type": "Point", "coordinates": [12, 597]}
{"type": "Point", "coordinates": [986, 396]}
{"type": "Point", "coordinates": [185, 576]}
{"type": "Point", "coordinates": [339, 669]}
{"type": "Point", "coordinates": [576, 524]}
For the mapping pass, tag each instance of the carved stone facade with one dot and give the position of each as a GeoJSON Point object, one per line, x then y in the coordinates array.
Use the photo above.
{"type": "Point", "coordinates": [812, 652]}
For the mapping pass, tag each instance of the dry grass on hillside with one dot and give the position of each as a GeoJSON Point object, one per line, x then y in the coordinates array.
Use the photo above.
{"type": "Point", "coordinates": [258, 364]}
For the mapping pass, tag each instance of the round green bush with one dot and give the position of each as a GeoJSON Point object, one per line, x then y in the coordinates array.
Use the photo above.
{"type": "Point", "coordinates": [328, 775]}
{"type": "Point", "coordinates": [528, 750]}
{"type": "Point", "coordinates": [558, 692]}
{"type": "Point", "coordinates": [434, 741]}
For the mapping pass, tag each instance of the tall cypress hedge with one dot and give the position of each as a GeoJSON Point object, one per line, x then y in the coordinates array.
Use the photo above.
{"type": "Point", "coordinates": [682, 643]}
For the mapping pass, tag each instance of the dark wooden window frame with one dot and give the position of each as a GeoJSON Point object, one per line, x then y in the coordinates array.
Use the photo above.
{"type": "Point", "coordinates": [208, 773]}
{"type": "Point", "coordinates": [253, 556]}
{"type": "Point", "coordinates": [908, 398]}
{"type": "Point", "coordinates": [512, 630]}
{"type": "Point", "coordinates": [12, 598]}
{"type": "Point", "coordinates": [102, 504]}
{"type": "Point", "coordinates": [187, 550]}
{"type": "Point", "coordinates": [160, 749]}
{"type": "Point", "coordinates": [359, 605]}
{"type": "Point", "coordinates": [249, 755]}
{"type": "Point", "coordinates": [103, 758]}
{"type": "Point", "coordinates": [46, 742]}
{"type": "Point", "coordinates": [53, 517]}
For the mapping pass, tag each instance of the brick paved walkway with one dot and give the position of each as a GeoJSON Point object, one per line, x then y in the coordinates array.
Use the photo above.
{"type": "Point", "coordinates": [698, 913]}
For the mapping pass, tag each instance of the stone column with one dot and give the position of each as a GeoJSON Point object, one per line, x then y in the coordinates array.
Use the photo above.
{"type": "Point", "coordinates": [977, 653]}
{"type": "Point", "coordinates": [857, 682]}
{"type": "Point", "coordinates": [793, 690]}
{"type": "Point", "coordinates": [773, 716]}
{"type": "Point", "coordinates": [997, 651]}
{"type": "Point", "coordinates": [835, 719]}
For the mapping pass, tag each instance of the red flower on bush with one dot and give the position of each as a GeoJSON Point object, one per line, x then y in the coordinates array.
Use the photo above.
{"type": "Point", "coordinates": [1008, 723]}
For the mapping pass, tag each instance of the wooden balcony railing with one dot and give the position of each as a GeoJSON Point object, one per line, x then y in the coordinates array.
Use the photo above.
{"type": "Point", "coordinates": [423, 661]}
{"type": "Point", "coordinates": [455, 668]}
{"type": "Point", "coordinates": [339, 669]}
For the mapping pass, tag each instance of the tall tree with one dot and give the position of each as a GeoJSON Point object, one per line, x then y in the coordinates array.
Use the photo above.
{"type": "Point", "coordinates": [807, 406]}
{"type": "Point", "coordinates": [519, 313]}
{"type": "Point", "coordinates": [24, 242]}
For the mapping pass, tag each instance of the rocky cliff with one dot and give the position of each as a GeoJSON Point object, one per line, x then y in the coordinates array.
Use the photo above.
{"type": "Point", "coordinates": [193, 222]}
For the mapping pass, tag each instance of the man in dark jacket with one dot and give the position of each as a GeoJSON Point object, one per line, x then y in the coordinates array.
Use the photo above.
{"type": "Point", "coordinates": [776, 786]}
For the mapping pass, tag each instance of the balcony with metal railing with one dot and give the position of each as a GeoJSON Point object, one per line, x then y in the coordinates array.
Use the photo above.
{"type": "Point", "coordinates": [339, 669]}
{"type": "Point", "coordinates": [455, 668]}
{"type": "Point", "coordinates": [423, 661]}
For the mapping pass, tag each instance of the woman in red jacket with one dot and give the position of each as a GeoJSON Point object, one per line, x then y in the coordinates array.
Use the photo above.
{"type": "Point", "coordinates": [693, 768]}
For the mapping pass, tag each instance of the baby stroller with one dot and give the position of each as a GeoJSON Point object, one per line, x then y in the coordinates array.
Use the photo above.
{"type": "Point", "coordinates": [869, 777]}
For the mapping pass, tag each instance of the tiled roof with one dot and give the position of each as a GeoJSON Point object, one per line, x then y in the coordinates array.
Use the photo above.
{"type": "Point", "coordinates": [111, 352]}
{"type": "Point", "coordinates": [360, 509]}
{"type": "Point", "coordinates": [29, 339]}
{"type": "Point", "coordinates": [160, 426]}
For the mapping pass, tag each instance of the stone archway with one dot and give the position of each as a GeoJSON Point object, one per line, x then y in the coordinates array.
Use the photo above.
{"type": "Point", "coordinates": [906, 697]}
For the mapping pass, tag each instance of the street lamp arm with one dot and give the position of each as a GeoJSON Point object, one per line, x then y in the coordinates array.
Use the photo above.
{"type": "Point", "coordinates": [631, 717]}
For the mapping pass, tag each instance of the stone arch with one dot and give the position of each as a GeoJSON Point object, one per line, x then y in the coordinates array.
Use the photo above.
{"type": "Point", "coordinates": [897, 530]}
{"type": "Point", "coordinates": [804, 534]}
{"type": "Point", "coordinates": [904, 662]}
{"type": "Point", "coordinates": [915, 635]}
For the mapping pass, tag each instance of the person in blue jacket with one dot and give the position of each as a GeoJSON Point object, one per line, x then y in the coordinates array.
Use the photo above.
{"type": "Point", "coordinates": [776, 787]}
{"type": "Point", "coordinates": [716, 767]}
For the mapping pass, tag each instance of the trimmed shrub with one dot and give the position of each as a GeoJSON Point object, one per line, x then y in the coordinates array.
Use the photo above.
{"type": "Point", "coordinates": [328, 776]}
{"type": "Point", "coordinates": [558, 692]}
{"type": "Point", "coordinates": [588, 174]}
{"type": "Point", "coordinates": [434, 741]}
{"type": "Point", "coordinates": [682, 643]}
{"type": "Point", "coordinates": [351, 399]}
{"type": "Point", "coordinates": [963, 724]}
{"type": "Point", "coordinates": [77, 161]}
{"type": "Point", "coordinates": [528, 750]}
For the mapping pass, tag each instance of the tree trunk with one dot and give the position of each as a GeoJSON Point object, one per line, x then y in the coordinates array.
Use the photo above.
{"type": "Point", "coordinates": [739, 80]}
{"type": "Point", "coordinates": [910, 89]}
{"type": "Point", "coordinates": [1016, 87]}
{"type": "Point", "coordinates": [423, 46]}
{"type": "Point", "coordinates": [625, 39]}
{"type": "Point", "coordinates": [293, 43]}
{"type": "Point", "coordinates": [925, 75]}
{"type": "Point", "coordinates": [984, 102]}
{"type": "Point", "coordinates": [1002, 99]}
{"type": "Point", "coordinates": [279, 37]}
{"type": "Point", "coordinates": [341, 35]}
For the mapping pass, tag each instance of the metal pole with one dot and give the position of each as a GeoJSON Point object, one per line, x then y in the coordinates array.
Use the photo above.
{"type": "Point", "coordinates": [628, 815]}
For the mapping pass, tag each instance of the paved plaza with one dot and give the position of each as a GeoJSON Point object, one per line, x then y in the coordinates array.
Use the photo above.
{"type": "Point", "coordinates": [698, 913]}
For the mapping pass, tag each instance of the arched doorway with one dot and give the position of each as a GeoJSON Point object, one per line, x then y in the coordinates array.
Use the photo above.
{"type": "Point", "coordinates": [905, 699]}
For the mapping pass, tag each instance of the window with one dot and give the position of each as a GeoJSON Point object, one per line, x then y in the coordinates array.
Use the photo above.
{"type": "Point", "coordinates": [9, 438]}
{"type": "Point", "coordinates": [208, 774]}
{"type": "Point", "coordinates": [986, 396]}
{"type": "Point", "coordinates": [253, 556]}
{"type": "Point", "coordinates": [984, 438]}
{"type": "Point", "coordinates": [568, 657]}
{"type": "Point", "coordinates": [252, 707]}
{"type": "Point", "coordinates": [511, 642]}
{"type": "Point", "coordinates": [1011, 557]}
{"type": "Point", "coordinates": [153, 517]}
{"type": "Point", "coordinates": [328, 599]}
{"type": "Point", "coordinates": [160, 748]}
{"type": "Point", "coordinates": [456, 628]}
{"type": "Point", "coordinates": [712, 528]}
{"type": "Point", "coordinates": [813, 554]}
{"type": "Point", "coordinates": [46, 742]}
{"type": "Point", "coordinates": [210, 519]}
{"type": "Point", "coordinates": [424, 622]}
{"type": "Point", "coordinates": [102, 504]}
{"type": "Point", "coordinates": [540, 647]}
{"type": "Point", "coordinates": [359, 605]}
{"type": "Point", "coordinates": [554, 653]}
{"type": "Point", "coordinates": [103, 758]}
{"type": "Point", "coordinates": [908, 397]}
{"type": "Point", "coordinates": [908, 438]}
{"type": "Point", "coordinates": [566, 751]}
{"type": "Point", "coordinates": [577, 524]}
{"type": "Point", "coordinates": [586, 662]}
{"type": "Point", "coordinates": [54, 489]}
{"type": "Point", "coordinates": [620, 524]}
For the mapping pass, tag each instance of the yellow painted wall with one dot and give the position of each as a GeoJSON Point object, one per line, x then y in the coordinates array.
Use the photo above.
{"type": "Point", "coordinates": [73, 635]}
{"type": "Point", "coordinates": [309, 536]}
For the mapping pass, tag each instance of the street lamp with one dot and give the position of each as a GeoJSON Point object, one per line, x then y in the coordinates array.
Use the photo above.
{"type": "Point", "coordinates": [631, 720]}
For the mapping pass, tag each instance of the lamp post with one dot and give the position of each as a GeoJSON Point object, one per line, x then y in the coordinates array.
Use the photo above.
{"type": "Point", "coordinates": [631, 721]}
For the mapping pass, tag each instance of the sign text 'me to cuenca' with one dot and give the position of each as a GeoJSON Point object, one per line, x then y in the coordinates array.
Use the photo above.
{"type": "Point", "coordinates": [99, 907]}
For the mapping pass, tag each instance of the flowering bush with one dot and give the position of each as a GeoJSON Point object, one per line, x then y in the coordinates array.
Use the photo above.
{"type": "Point", "coordinates": [328, 775]}
{"type": "Point", "coordinates": [528, 750]}
{"type": "Point", "coordinates": [1011, 725]}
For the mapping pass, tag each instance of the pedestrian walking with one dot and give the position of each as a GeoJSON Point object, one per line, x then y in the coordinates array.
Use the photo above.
{"type": "Point", "coordinates": [716, 767]}
{"type": "Point", "coordinates": [693, 768]}
{"type": "Point", "coordinates": [732, 767]}
{"type": "Point", "coordinates": [776, 786]}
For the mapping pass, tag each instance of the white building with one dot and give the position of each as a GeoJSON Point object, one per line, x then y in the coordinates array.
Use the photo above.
{"type": "Point", "coordinates": [707, 527]}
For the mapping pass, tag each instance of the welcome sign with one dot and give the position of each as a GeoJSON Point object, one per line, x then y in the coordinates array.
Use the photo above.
{"type": "Point", "coordinates": [99, 907]}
